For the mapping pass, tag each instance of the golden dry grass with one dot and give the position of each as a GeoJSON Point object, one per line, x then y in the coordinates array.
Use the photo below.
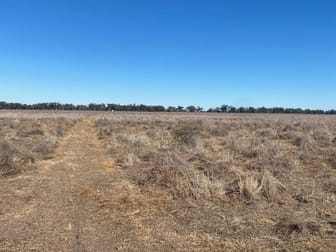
{"type": "Point", "coordinates": [254, 182]}
{"type": "Point", "coordinates": [23, 141]}
{"type": "Point", "coordinates": [192, 182]}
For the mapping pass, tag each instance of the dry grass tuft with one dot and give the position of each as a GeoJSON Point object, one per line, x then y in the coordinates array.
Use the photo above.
{"type": "Point", "coordinates": [188, 135]}
{"type": "Point", "coordinates": [294, 225]}
{"type": "Point", "coordinates": [305, 142]}
{"type": "Point", "coordinates": [174, 173]}
{"type": "Point", "coordinates": [271, 186]}
{"type": "Point", "coordinates": [7, 159]}
{"type": "Point", "coordinates": [253, 186]}
{"type": "Point", "coordinates": [46, 146]}
{"type": "Point", "coordinates": [250, 187]}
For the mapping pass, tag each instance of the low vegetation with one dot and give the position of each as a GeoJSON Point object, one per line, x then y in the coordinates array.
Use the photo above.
{"type": "Point", "coordinates": [244, 182]}
{"type": "Point", "coordinates": [24, 141]}
{"type": "Point", "coordinates": [197, 182]}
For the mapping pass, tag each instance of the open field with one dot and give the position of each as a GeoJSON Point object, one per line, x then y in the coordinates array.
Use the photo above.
{"type": "Point", "coordinates": [87, 181]}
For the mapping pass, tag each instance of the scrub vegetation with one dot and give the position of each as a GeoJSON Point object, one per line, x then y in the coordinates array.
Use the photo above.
{"type": "Point", "coordinates": [168, 181]}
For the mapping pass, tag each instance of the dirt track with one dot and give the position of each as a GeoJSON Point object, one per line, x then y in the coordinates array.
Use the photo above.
{"type": "Point", "coordinates": [50, 208]}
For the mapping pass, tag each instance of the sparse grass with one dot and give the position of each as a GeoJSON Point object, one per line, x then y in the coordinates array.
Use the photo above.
{"type": "Point", "coordinates": [29, 140]}
{"type": "Point", "coordinates": [256, 168]}
{"type": "Point", "coordinates": [204, 182]}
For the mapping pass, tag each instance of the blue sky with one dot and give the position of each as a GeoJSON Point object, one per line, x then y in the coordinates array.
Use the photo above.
{"type": "Point", "coordinates": [176, 52]}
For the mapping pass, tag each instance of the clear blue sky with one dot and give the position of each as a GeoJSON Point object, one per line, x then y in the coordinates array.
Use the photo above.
{"type": "Point", "coordinates": [176, 52]}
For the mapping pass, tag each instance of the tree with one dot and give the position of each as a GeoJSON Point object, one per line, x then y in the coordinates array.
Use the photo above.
{"type": "Point", "coordinates": [180, 108]}
{"type": "Point", "coordinates": [224, 108]}
{"type": "Point", "coordinates": [191, 108]}
{"type": "Point", "coordinates": [171, 109]}
{"type": "Point", "coordinates": [157, 108]}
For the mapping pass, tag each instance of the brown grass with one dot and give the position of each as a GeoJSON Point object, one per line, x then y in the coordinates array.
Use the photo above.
{"type": "Point", "coordinates": [7, 163]}
{"type": "Point", "coordinates": [201, 182]}
{"type": "Point", "coordinates": [258, 169]}
{"type": "Point", "coordinates": [26, 140]}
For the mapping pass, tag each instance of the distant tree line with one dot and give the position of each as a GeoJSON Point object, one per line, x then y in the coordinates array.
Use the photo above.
{"type": "Point", "coordinates": [158, 108]}
{"type": "Point", "coordinates": [274, 110]}
{"type": "Point", "coordinates": [89, 107]}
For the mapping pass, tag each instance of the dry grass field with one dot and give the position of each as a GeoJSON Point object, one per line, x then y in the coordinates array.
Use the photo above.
{"type": "Point", "coordinates": [86, 181]}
